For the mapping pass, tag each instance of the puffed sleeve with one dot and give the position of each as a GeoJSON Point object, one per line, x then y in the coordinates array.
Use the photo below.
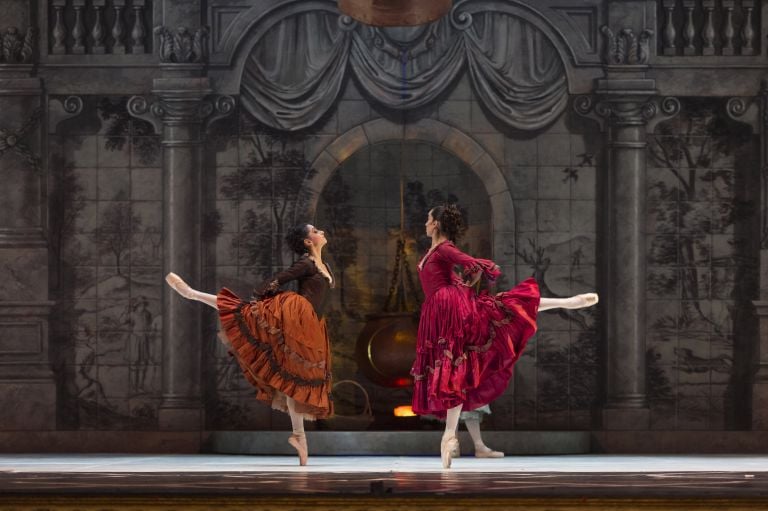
{"type": "Point", "coordinates": [272, 285]}
{"type": "Point", "coordinates": [470, 264]}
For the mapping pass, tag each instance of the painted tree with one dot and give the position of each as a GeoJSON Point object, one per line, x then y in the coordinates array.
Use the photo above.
{"type": "Point", "coordinates": [581, 355]}
{"type": "Point", "coordinates": [699, 200]}
{"type": "Point", "coordinates": [121, 127]}
{"type": "Point", "coordinates": [115, 234]}
{"type": "Point", "coordinates": [274, 172]}
{"type": "Point", "coordinates": [340, 216]}
{"type": "Point", "coordinates": [703, 189]}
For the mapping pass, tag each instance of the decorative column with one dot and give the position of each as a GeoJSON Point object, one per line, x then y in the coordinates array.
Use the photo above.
{"type": "Point", "coordinates": [754, 111]}
{"type": "Point", "coordinates": [180, 110]}
{"type": "Point", "coordinates": [625, 104]}
{"type": "Point", "coordinates": [27, 385]}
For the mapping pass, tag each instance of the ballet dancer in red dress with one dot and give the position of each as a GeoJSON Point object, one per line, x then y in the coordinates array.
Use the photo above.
{"type": "Point", "coordinates": [468, 343]}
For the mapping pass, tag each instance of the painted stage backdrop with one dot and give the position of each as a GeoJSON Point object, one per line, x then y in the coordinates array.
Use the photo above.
{"type": "Point", "coordinates": [303, 115]}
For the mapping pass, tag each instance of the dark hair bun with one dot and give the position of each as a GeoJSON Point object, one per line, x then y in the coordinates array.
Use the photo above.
{"type": "Point", "coordinates": [296, 236]}
{"type": "Point", "coordinates": [451, 220]}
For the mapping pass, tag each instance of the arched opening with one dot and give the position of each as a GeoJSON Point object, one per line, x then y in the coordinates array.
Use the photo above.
{"type": "Point", "coordinates": [360, 208]}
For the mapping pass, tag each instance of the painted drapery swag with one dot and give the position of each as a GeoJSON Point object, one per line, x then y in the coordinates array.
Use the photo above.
{"type": "Point", "coordinates": [296, 71]}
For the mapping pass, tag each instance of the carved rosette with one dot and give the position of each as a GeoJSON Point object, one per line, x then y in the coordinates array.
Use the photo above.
{"type": "Point", "coordinates": [16, 140]}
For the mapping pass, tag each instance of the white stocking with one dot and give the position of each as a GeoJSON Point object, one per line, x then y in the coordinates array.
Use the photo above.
{"type": "Point", "coordinates": [452, 421]}
{"type": "Point", "coordinates": [297, 420]}
{"type": "Point", "coordinates": [473, 426]}
{"type": "Point", "coordinates": [184, 290]}
{"type": "Point", "coordinates": [206, 298]}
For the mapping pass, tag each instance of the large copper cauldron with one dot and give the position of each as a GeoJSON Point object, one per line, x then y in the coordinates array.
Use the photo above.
{"type": "Point", "coordinates": [386, 348]}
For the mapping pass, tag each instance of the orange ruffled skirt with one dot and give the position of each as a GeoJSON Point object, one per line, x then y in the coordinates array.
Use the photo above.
{"type": "Point", "coordinates": [282, 348]}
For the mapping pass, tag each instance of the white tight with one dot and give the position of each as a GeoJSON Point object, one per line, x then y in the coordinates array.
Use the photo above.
{"type": "Point", "coordinates": [206, 298]}
{"type": "Point", "coordinates": [297, 420]}
{"type": "Point", "coordinates": [452, 421]}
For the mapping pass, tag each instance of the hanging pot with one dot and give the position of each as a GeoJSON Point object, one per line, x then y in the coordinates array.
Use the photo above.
{"type": "Point", "coordinates": [386, 348]}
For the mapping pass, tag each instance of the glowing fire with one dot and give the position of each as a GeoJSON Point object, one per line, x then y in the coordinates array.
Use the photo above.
{"type": "Point", "coordinates": [404, 411]}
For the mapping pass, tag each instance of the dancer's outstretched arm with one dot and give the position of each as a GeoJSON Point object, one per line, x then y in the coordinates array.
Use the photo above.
{"type": "Point", "coordinates": [184, 290]}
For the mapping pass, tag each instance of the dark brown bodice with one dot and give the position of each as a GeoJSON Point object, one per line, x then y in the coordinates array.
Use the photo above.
{"type": "Point", "coordinates": [312, 284]}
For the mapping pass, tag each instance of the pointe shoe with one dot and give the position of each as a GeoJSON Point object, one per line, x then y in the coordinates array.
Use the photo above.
{"type": "Point", "coordinates": [447, 446]}
{"type": "Point", "coordinates": [456, 452]}
{"type": "Point", "coordinates": [588, 299]}
{"type": "Point", "coordinates": [487, 452]}
{"type": "Point", "coordinates": [580, 301]}
{"type": "Point", "coordinates": [299, 442]}
{"type": "Point", "coordinates": [178, 285]}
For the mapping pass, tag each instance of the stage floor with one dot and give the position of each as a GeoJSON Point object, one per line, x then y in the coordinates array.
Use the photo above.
{"type": "Point", "coordinates": [520, 476]}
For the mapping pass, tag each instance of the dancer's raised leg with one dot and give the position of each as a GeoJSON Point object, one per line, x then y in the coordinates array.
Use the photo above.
{"type": "Point", "coordinates": [449, 441]}
{"type": "Point", "coordinates": [298, 439]}
{"type": "Point", "coordinates": [184, 290]}
{"type": "Point", "coordinates": [481, 450]}
{"type": "Point", "coordinates": [574, 302]}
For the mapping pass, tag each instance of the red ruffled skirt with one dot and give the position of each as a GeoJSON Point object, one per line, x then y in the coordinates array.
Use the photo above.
{"type": "Point", "coordinates": [468, 343]}
{"type": "Point", "coordinates": [282, 348]}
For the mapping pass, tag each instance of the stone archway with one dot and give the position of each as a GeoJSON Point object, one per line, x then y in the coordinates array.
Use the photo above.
{"type": "Point", "coordinates": [430, 131]}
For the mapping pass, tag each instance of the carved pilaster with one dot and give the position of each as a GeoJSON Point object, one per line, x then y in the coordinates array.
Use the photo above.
{"type": "Point", "coordinates": [626, 109]}
{"type": "Point", "coordinates": [180, 111]}
{"type": "Point", "coordinates": [21, 162]}
{"type": "Point", "coordinates": [754, 112]}
{"type": "Point", "coordinates": [26, 381]}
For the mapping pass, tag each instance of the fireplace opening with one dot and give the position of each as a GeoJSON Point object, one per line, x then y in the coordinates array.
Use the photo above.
{"type": "Point", "coordinates": [376, 238]}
